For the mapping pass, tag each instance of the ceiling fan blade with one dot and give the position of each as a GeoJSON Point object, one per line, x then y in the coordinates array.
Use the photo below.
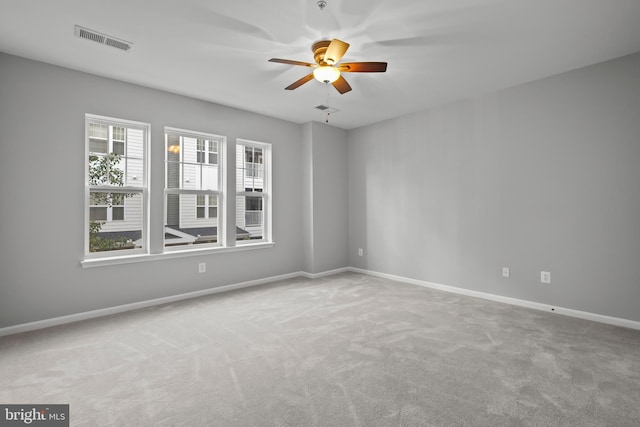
{"type": "Point", "coordinates": [291, 62]}
{"type": "Point", "coordinates": [363, 67]}
{"type": "Point", "coordinates": [341, 85]}
{"type": "Point", "coordinates": [300, 82]}
{"type": "Point", "coordinates": [335, 51]}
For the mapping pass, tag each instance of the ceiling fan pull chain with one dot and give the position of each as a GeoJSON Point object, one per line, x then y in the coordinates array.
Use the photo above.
{"type": "Point", "coordinates": [327, 102]}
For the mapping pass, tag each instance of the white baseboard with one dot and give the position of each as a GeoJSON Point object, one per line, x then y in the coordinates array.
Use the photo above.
{"type": "Point", "coordinates": [56, 321]}
{"type": "Point", "coordinates": [324, 273]}
{"type": "Point", "coordinates": [616, 321]}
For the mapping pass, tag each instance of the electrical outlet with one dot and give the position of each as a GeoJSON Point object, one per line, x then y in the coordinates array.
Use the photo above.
{"type": "Point", "coordinates": [545, 277]}
{"type": "Point", "coordinates": [505, 272]}
{"type": "Point", "coordinates": [202, 267]}
{"type": "Point", "coordinates": [360, 252]}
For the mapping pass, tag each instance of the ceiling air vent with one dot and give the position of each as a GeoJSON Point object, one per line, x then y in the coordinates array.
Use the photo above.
{"type": "Point", "coordinates": [327, 109]}
{"type": "Point", "coordinates": [85, 33]}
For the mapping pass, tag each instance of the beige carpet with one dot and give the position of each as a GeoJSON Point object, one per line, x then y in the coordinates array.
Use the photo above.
{"type": "Point", "coordinates": [347, 350]}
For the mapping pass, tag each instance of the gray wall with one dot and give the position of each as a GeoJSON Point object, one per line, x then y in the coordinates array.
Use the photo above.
{"type": "Point", "coordinates": [329, 189]}
{"type": "Point", "coordinates": [542, 176]}
{"type": "Point", "coordinates": [42, 111]}
{"type": "Point", "coordinates": [307, 197]}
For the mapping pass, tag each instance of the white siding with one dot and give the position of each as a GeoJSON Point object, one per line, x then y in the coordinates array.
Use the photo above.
{"type": "Point", "coordinates": [240, 212]}
{"type": "Point", "coordinates": [188, 214]}
{"type": "Point", "coordinates": [189, 169]}
{"type": "Point", "coordinates": [135, 143]}
{"type": "Point", "coordinates": [240, 221]}
{"type": "Point", "coordinates": [189, 149]}
{"type": "Point", "coordinates": [134, 165]}
{"type": "Point", "coordinates": [240, 168]}
{"type": "Point", "coordinates": [210, 177]}
{"type": "Point", "coordinates": [132, 216]}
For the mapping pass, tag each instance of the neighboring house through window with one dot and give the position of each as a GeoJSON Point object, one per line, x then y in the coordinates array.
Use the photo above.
{"type": "Point", "coordinates": [116, 186]}
{"type": "Point", "coordinates": [253, 191]}
{"type": "Point", "coordinates": [193, 189]}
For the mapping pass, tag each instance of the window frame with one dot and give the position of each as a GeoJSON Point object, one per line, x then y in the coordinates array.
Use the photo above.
{"type": "Point", "coordinates": [141, 190]}
{"type": "Point", "coordinates": [266, 193]}
{"type": "Point", "coordinates": [200, 159]}
{"type": "Point", "coordinates": [226, 235]}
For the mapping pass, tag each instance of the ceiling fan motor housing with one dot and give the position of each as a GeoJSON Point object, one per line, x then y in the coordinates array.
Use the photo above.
{"type": "Point", "coordinates": [319, 49]}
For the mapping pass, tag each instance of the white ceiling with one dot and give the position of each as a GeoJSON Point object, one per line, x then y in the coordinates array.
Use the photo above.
{"type": "Point", "coordinates": [438, 51]}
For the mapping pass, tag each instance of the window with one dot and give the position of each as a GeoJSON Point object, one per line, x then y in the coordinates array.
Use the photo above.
{"type": "Point", "coordinates": [253, 191]}
{"type": "Point", "coordinates": [106, 206]}
{"type": "Point", "coordinates": [193, 189]}
{"type": "Point", "coordinates": [206, 206]}
{"type": "Point", "coordinates": [117, 197]}
{"type": "Point", "coordinates": [116, 186]}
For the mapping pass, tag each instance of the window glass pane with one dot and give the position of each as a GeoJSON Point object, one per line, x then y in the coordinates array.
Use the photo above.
{"type": "Point", "coordinates": [249, 169]}
{"type": "Point", "coordinates": [117, 213]}
{"type": "Point", "coordinates": [117, 159]}
{"type": "Point", "coordinates": [97, 130]}
{"type": "Point", "coordinates": [109, 170]}
{"type": "Point", "coordinates": [172, 173]}
{"type": "Point", "coordinates": [117, 199]}
{"type": "Point", "coordinates": [98, 199]}
{"type": "Point", "coordinates": [173, 148]}
{"type": "Point", "coordinates": [97, 170]}
{"type": "Point", "coordinates": [118, 147]}
{"type": "Point", "coordinates": [257, 155]}
{"type": "Point", "coordinates": [209, 177]}
{"type": "Point", "coordinates": [213, 206]}
{"type": "Point", "coordinates": [190, 175]}
{"type": "Point", "coordinates": [115, 232]}
{"type": "Point", "coordinates": [173, 210]}
{"type": "Point", "coordinates": [249, 218]}
{"type": "Point", "coordinates": [98, 145]}
{"type": "Point", "coordinates": [134, 176]}
{"type": "Point", "coordinates": [118, 133]}
{"type": "Point", "coordinates": [192, 170]}
{"type": "Point", "coordinates": [252, 175]}
{"type": "Point", "coordinates": [98, 213]}
{"type": "Point", "coordinates": [116, 171]}
{"type": "Point", "coordinates": [98, 138]}
{"type": "Point", "coordinates": [188, 223]}
{"type": "Point", "coordinates": [200, 154]}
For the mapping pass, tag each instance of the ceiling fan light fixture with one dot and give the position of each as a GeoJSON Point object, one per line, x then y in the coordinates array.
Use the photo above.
{"type": "Point", "coordinates": [326, 74]}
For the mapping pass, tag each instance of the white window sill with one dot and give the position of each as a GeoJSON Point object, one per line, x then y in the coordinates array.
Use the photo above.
{"type": "Point", "coordinates": [129, 259]}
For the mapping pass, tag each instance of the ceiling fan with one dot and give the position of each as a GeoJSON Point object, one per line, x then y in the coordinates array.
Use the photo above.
{"type": "Point", "coordinates": [327, 69]}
